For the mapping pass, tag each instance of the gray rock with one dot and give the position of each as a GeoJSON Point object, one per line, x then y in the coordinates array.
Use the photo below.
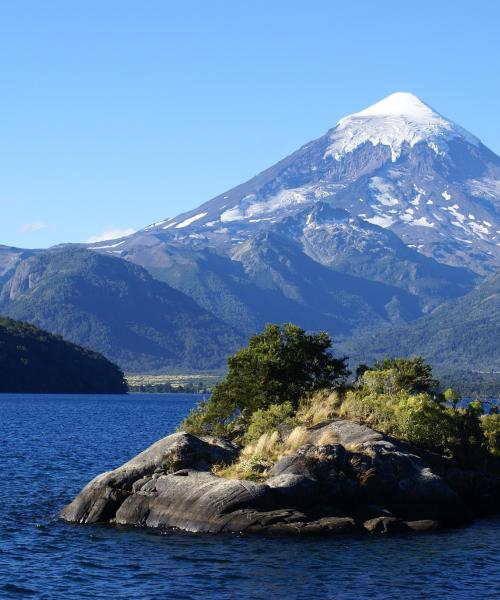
{"type": "Point", "coordinates": [385, 525]}
{"type": "Point", "coordinates": [423, 525]}
{"type": "Point", "coordinates": [101, 498]}
{"type": "Point", "coordinates": [360, 477]}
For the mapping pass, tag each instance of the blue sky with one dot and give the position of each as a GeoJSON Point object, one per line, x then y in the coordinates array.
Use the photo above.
{"type": "Point", "coordinates": [115, 114]}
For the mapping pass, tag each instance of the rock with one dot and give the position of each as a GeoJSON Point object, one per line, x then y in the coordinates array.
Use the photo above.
{"type": "Point", "coordinates": [423, 525]}
{"type": "Point", "coordinates": [345, 478]}
{"type": "Point", "coordinates": [329, 526]}
{"type": "Point", "coordinates": [480, 488]}
{"type": "Point", "coordinates": [101, 498]}
{"type": "Point", "coordinates": [347, 433]}
{"type": "Point", "coordinates": [297, 491]}
{"type": "Point", "coordinates": [385, 525]}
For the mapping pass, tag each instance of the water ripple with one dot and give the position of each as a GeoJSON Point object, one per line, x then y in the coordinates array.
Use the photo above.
{"type": "Point", "coordinates": [52, 445]}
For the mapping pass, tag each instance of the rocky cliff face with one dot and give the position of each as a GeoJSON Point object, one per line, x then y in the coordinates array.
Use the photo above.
{"type": "Point", "coordinates": [361, 482]}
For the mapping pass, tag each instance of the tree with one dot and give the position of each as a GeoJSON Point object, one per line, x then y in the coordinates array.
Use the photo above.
{"type": "Point", "coordinates": [452, 397]}
{"type": "Point", "coordinates": [412, 375]}
{"type": "Point", "coordinates": [282, 364]}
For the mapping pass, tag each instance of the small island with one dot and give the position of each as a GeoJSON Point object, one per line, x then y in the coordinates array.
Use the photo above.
{"type": "Point", "coordinates": [288, 444]}
{"type": "Point", "coordinates": [35, 361]}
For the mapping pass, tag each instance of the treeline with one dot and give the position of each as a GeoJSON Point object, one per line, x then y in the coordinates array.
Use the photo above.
{"type": "Point", "coordinates": [472, 384]}
{"type": "Point", "coordinates": [167, 388]}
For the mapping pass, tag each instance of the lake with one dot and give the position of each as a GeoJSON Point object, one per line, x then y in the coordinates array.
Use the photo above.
{"type": "Point", "coordinates": [52, 445]}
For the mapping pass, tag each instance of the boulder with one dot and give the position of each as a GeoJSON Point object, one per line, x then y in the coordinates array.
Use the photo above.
{"type": "Point", "coordinates": [346, 478]}
{"type": "Point", "coordinates": [100, 499]}
{"type": "Point", "coordinates": [385, 525]}
{"type": "Point", "coordinates": [423, 525]}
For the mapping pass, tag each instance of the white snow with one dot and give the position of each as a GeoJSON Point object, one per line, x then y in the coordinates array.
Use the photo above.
{"type": "Point", "coordinates": [157, 224]}
{"type": "Point", "coordinates": [479, 229]}
{"type": "Point", "coordinates": [422, 222]}
{"type": "Point", "coordinates": [381, 220]}
{"type": "Point", "coordinates": [249, 208]}
{"type": "Point", "coordinates": [383, 191]}
{"type": "Point", "coordinates": [446, 195]}
{"type": "Point", "coordinates": [455, 213]}
{"type": "Point", "coordinates": [108, 246]}
{"type": "Point", "coordinates": [232, 214]}
{"type": "Point", "coordinates": [429, 202]}
{"type": "Point", "coordinates": [210, 223]}
{"type": "Point", "coordinates": [399, 119]}
{"type": "Point", "coordinates": [190, 220]}
{"type": "Point", "coordinates": [169, 225]}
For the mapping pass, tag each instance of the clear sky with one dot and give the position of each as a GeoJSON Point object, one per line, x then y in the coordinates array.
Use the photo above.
{"type": "Point", "coordinates": [115, 114]}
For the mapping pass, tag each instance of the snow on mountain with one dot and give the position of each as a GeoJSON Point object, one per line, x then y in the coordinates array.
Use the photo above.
{"type": "Point", "coordinates": [398, 165]}
{"type": "Point", "coordinates": [399, 119]}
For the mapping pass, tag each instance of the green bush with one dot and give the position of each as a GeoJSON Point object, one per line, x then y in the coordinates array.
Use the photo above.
{"type": "Point", "coordinates": [282, 364]}
{"type": "Point", "coordinates": [421, 420]}
{"type": "Point", "coordinates": [413, 375]}
{"type": "Point", "coordinates": [490, 425]}
{"type": "Point", "coordinates": [278, 417]}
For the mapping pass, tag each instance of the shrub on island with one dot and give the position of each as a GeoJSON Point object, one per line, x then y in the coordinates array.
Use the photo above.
{"type": "Point", "coordinates": [287, 380]}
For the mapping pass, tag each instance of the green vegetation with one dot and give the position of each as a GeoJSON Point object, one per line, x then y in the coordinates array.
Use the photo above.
{"type": "Point", "coordinates": [471, 383]}
{"type": "Point", "coordinates": [286, 381]}
{"type": "Point", "coordinates": [115, 307]}
{"type": "Point", "coordinates": [459, 335]}
{"type": "Point", "coordinates": [491, 428]}
{"type": "Point", "coordinates": [34, 361]}
{"type": "Point", "coordinates": [282, 364]}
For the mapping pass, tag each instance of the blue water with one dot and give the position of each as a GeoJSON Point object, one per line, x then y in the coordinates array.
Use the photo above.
{"type": "Point", "coordinates": [50, 446]}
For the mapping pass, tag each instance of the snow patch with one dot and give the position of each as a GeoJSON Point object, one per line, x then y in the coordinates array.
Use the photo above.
{"type": "Point", "coordinates": [108, 246]}
{"type": "Point", "coordinates": [479, 229]}
{"type": "Point", "coordinates": [381, 220]}
{"type": "Point", "coordinates": [248, 208]}
{"type": "Point", "coordinates": [383, 191]}
{"type": "Point", "coordinates": [190, 220]}
{"type": "Point", "coordinates": [422, 222]}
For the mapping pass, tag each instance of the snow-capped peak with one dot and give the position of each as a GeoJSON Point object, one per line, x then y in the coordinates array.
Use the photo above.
{"type": "Point", "coordinates": [398, 119]}
{"type": "Point", "coordinates": [399, 104]}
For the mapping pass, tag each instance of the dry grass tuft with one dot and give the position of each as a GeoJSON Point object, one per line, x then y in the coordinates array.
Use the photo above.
{"type": "Point", "coordinates": [256, 459]}
{"type": "Point", "coordinates": [327, 438]}
{"type": "Point", "coordinates": [322, 406]}
{"type": "Point", "coordinates": [296, 439]}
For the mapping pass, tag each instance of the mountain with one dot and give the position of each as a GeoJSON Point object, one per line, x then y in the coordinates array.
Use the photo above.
{"type": "Point", "coordinates": [371, 227]}
{"type": "Point", "coordinates": [9, 260]}
{"type": "Point", "coordinates": [34, 361]}
{"type": "Point", "coordinates": [351, 245]}
{"type": "Point", "coordinates": [398, 164]}
{"type": "Point", "coordinates": [270, 279]}
{"type": "Point", "coordinates": [461, 334]}
{"type": "Point", "coordinates": [372, 199]}
{"type": "Point", "coordinates": [116, 308]}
